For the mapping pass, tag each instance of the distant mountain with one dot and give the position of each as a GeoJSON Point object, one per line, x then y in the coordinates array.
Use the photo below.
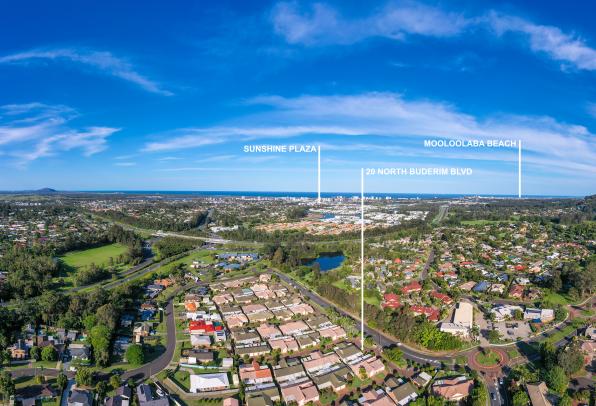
{"type": "Point", "coordinates": [45, 190]}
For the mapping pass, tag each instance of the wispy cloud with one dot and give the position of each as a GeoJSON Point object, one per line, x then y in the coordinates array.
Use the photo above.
{"type": "Point", "coordinates": [170, 158]}
{"type": "Point", "coordinates": [390, 115]}
{"type": "Point", "coordinates": [552, 41]}
{"type": "Point", "coordinates": [322, 25]}
{"type": "Point", "coordinates": [102, 61]}
{"type": "Point", "coordinates": [202, 137]}
{"type": "Point", "coordinates": [35, 130]}
{"type": "Point", "coordinates": [125, 164]}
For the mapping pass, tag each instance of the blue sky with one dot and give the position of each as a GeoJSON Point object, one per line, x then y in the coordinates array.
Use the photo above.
{"type": "Point", "coordinates": [155, 96]}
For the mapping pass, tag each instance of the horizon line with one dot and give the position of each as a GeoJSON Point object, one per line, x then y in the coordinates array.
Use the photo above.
{"type": "Point", "coordinates": [166, 191]}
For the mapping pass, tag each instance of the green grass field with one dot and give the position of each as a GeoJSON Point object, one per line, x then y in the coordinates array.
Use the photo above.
{"type": "Point", "coordinates": [488, 359]}
{"type": "Point", "coordinates": [98, 256]}
{"type": "Point", "coordinates": [556, 298]}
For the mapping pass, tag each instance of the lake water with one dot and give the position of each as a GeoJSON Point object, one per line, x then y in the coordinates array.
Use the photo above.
{"type": "Point", "coordinates": [328, 262]}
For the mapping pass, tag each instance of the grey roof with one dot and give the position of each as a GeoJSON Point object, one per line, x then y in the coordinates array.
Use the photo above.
{"type": "Point", "coordinates": [282, 372]}
{"type": "Point", "coordinates": [145, 395]}
{"type": "Point", "coordinates": [336, 378]}
{"type": "Point", "coordinates": [79, 398]}
{"type": "Point", "coordinates": [404, 391]}
{"type": "Point", "coordinates": [348, 350]}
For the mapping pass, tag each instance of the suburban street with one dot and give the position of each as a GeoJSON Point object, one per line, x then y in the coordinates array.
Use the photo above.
{"type": "Point", "coordinates": [161, 362]}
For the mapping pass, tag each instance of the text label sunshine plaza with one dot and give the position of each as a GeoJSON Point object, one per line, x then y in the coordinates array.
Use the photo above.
{"type": "Point", "coordinates": [444, 143]}
{"type": "Point", "coordinates": [419, 171]}
{"type": "Point", "coordinates": [280, 148]}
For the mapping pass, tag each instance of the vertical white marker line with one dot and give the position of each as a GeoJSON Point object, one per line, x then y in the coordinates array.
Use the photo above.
{"type": "Point", "coordinates": [362, 259]}
{"type": "Point", "coordinates": [319, 174]}
{"type": "Point", "coordinates": [519, 169]}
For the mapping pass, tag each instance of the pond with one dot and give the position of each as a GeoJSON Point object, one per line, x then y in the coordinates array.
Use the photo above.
{"type": "Point", "coordinates": [328, 262]}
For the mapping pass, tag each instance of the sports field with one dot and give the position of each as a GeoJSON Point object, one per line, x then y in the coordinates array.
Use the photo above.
{"type": "Point", "coordinates": [98, 256]}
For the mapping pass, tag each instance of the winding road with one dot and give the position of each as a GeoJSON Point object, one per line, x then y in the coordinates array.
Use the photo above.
{"type": "Point", "coordinates": [161, 362]}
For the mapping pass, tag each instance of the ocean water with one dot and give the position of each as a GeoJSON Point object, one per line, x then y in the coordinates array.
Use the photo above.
{"type": "Point", "coordinates": [311, 195]}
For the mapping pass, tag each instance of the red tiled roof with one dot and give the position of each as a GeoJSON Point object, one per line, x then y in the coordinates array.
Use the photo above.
{"type": "Point", "coordinates": [431, 314]}
{"type": "Point", "coordinates": [391, 300]}
{"type": "Point", "coordinates": [208, 327]}
{"type": "Point", "coordinates": [412, 287]}
{"type": "Point", "coordinates": [442, 297]}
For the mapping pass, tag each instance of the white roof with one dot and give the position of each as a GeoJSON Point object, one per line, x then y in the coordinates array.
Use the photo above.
{"type": "Point", "coordinates": [464, 314]}
{"type": "Point", "coordinates": [208, 381]}
{"type": "Point", "coordinates": [196, 339]}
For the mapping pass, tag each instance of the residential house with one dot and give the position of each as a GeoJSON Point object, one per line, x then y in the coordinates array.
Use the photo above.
{"type": "Point", "coordinates": [288, 370]}
{"type": "Point", "coordinates": [204, 327]}
{"type": "Point", "coordinates": [442, 297]}
{"type": "Point", "coordinates": [197, 340]}
{"type": "Point", "coordinates": [293, 327]}
{"type": "Point", "coordinates": [255, 374]}
{"type": "Point", "coordinates": [80, 397]}
{"type": "Point", "coordinates": [348, 352]}
{"type": "Point", "coordinates": [235, 320]}
{"type": "Point", "coordinates": [19, 350]}
{"type": "Point", "coordinates": [318, 361]}
{"type": "Point", "coordinates": [141, 330]}
{"type": "Point", "coordinates": [267, 331]}
{"type": "Point", "coordinates": [253, 350]}
{"type": "Point", "coordinates": [31, 394]}
{"type": "Point", "coordinates": [146, 397]}
{"type": "Point", "coordinates": [300, 392]}
{"type": "Point", "coordinates": [336, 379]}
{"type": "Point", "coordinates": [284, 344]}
{"type": "Point", "coordinates": [80, 352]}
{"type": "Point", "coordinates": [377, 397]}
{"type": "Point", "coordinates": [421, 379]}
{"type": "Point", "coordinates": [308, 340]}
{"type": "Point", "coordinates": [539, 315]}
{"type": "Point", "coordinates": [401, 392]}
{"type": "Point", "coordinates": [537, 393]}
{"type": "Point", "coordinates": [317, 322]}
{"type": "Point", "coordinates": [333, 332]}
{"type": "Point", "coordinates": [516, 291]}
{"type": "Point", "coordinates": [411, 288]}
{"type": "Point", "coordinates": [431, 313]}
{"type": "Point", "coordinates": [370, 365]}
{"type": "Point", "coordinates": [453, 389]}
{"type": "Point", "coordinates": [242, 337]}
{"type": "Point", "coordinates": [209, 382]}
{"type": "Point", "coordinates": [122, 397]}
{"type": "Point", "coordinates": [260, 317]}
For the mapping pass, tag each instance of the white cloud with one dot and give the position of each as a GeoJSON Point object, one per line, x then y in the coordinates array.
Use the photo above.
{"type": "Point", "coordinates": [389, 115]}
{"type": "Point", "coordinates": [32, 131]}
{"type": "Point", "coordinates": [202, 137]}
{"type": "Point", "coordinates": [125, 164]}
{"type": "Point", "coordinates": [103, 61]}
{"type": "Point", "coordinates": [323, 25]}
{"type": "Point", "coordinates": [170, 158]}
{"type": "Point", "coordinates": [566, 48]}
